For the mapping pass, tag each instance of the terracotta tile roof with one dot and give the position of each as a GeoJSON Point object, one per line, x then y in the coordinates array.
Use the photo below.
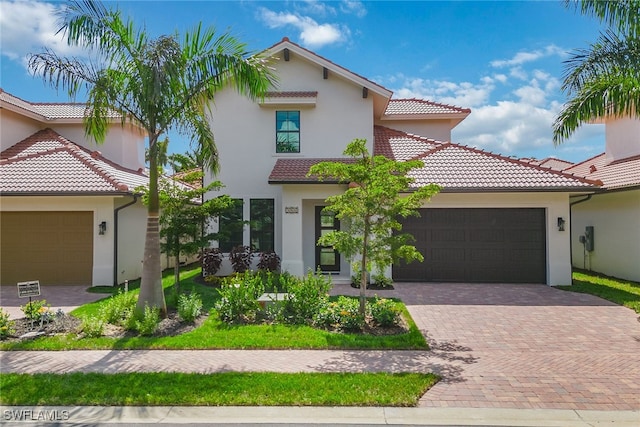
{"type": "Point", "coordinates": [614, 175]}
{"type": "Point", "coordinates": [458, 168]}
{"type": "Point", "coordinates": [454, 167]}
{"type": "Point", "coordinates": [48, 111]}
{"type": "Point", "coordinates": [549, 162]}
{"type": "Point", "coordinates": [295, 170]}
{"type": "Point", "coordinates": [399, 145]}
{"type": "Point", "coordinates": [421, 106]}
{"type": "Point", "coordinates": [47, 163]}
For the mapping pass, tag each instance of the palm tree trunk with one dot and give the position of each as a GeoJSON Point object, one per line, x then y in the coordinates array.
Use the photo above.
{"type": "Point", "coordinates": [151, 292]}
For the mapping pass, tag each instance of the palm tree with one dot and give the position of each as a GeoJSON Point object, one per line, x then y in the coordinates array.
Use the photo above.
{"type": "Point", "coordinates": [158, 83]}
{"type": "Point", "coordinates": [603, 80]}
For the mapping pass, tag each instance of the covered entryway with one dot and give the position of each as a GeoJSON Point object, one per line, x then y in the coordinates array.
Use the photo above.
{"type": "Point", "coordinates": [477, 245]}
{"type": "Point", "coordinates": [55, 248]}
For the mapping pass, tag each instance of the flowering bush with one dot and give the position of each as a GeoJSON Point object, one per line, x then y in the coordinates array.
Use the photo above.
{"type": "Point", "coordinates": [239, 298]}
{"type": "Point", "coordinates": [342, 315]}
{"type": "Point", "coordinates": [189, 307]}
{"type": "Point", "coordinates": [384, 312]}
{"type": "Point", "coordinates": [36, 310]}
{"type": "Point", "coordinates": [6, 325]}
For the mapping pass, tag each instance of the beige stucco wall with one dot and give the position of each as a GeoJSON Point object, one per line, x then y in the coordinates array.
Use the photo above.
{"type": "Point", "coordinates": [122, 145]}
{"type": "Point", "coordinates": [14, 128]}
{"type": "Point", "coordinates": [615, 217]}
{"type": "Point", "coordinates": [440, 130]}
{"type": "Point", "coordinates": [298, 238]}
{"type": "Point", "coordinates": [245, 131]}
{"type": "Point", "coordinates": [622, 138]}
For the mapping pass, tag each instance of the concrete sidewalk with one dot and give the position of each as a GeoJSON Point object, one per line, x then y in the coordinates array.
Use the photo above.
{"type": "Point", "coordinates": [231, 415]}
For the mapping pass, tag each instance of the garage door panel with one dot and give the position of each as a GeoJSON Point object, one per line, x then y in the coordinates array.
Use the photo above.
{"type": "Point", "coordinates": [52, 247]}
{"type": "Point", "coordinates": [483, 245]}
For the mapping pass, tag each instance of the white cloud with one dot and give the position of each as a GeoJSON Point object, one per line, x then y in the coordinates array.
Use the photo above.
{"type": "Point", "coordinates": [524, 57]}
{"type": "Point", "coordinates": [512, 113]}
{"type": "Point", "coordinates": [29, 26]}
{"type": "Point", "coordinates": [312, 34]}
{"type": "Point", "coordinates": [463, 94]}
{"type": "Point", "coordinates": [315, 7]}
{"type": "Point", "coordinates": [353, 7]}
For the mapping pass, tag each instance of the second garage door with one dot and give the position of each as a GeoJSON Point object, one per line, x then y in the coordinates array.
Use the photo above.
{"type": "Point", "coordinates": [55, 248]}
{"type": "Point", "coordinates": [477, 245]}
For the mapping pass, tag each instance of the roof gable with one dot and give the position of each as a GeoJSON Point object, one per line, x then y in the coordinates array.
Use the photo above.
{"type": "Point", "coordinates": [618, 174]}
{"type": "Point", "coordinates": [285, 43]}
{"type": "Point", "coordinates": [47, 163]}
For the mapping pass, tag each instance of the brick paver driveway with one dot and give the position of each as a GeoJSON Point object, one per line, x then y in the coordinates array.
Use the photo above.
{"type": "Point", "coordinates": [526, 346]}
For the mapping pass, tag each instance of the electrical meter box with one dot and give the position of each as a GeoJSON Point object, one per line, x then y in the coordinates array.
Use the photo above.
{"type": "Point", "coordinates": [588, 238]}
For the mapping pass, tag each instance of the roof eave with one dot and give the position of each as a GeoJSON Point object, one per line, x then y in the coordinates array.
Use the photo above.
{"type": "Point", "coordinates": [66, 193]}
{"type": "Point", "coordinates": [519, 190]}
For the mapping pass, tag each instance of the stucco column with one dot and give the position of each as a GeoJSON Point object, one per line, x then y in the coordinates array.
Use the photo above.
{"type": "Point", "coordinates": [292, 260]}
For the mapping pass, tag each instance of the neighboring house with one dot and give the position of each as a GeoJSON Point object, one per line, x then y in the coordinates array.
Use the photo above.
{"type": "Point", "coordinates": [68, 212]}
{"type": "Point", "coordinates": [496, 219]}
{"type": "Point", "coordinates": [614, 212]}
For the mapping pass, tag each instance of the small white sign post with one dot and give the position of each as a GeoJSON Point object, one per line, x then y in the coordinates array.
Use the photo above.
{"type": "Point", "coordinates": [29, 289]}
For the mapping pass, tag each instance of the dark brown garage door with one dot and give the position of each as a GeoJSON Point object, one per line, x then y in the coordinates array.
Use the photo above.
{"type": "Point", "coordinates": [477, 245]}
{"type": "Point", "coordinates": [55, 248]}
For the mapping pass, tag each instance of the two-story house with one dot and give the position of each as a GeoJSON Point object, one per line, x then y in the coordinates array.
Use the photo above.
{"type": "Point", "coordinates": [497, 219]}
{"type": "Point", "coordinates": [68, 212]}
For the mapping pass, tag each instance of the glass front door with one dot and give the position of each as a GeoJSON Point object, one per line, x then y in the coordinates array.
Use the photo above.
{"type": "Point", "coordinates": [327, 258]}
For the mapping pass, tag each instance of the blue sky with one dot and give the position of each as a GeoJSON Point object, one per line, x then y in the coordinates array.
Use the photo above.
{"type": "Point", "coordinates": [501, 59]}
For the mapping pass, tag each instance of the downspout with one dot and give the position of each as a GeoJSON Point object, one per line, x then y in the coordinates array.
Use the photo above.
{"type": "Point", "coordinates": [115, 237]}
{"type": "Point", "coordinates": [586, 199]}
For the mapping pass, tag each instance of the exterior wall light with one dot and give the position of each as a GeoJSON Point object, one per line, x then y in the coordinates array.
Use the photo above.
{"type": "Point", "coordinates": [102, 228]}
{"type": "Point", "coordinates": [561, 223]}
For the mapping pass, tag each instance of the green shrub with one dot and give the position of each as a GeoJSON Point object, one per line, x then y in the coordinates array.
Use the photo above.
{"type": "Point", "coordinates": [119, 308]}
{"type": "Point", "coordinates": [93, 326]}
{"type": "Point", "coordinates": [147, 325]}
{"type": "Point", "coordinates": [239, 298]}
{"type": "Point", "coordinates": [382, 281]}
{"type": "Point", "coordinates": [342, 315]}
{"type": "Point", "coordinates": [384, 312]}
{"type": "Point", "coordinates": [7, 327]}
{"type": "Point", "coordinates": [35, 309]}
{"type": "Point", "coordinates": [306, 297]}
{"type": "Point", "coordinates": [189, 307]}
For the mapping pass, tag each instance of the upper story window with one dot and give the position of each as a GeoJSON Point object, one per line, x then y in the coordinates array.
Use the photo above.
{"type": "Point", "coordinates": [287, 131]}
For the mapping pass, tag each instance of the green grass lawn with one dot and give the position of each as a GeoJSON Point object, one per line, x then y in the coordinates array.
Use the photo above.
{"type": "Point", "coordinates": [214, 334]}
{"type": "Point", "coordinates": [623, 292]}
{"type": "Point", "coordinates": [223, 389]}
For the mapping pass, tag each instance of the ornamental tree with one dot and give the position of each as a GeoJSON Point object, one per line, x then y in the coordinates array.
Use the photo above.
{"type": "Point", "coordinates": [379, 194]}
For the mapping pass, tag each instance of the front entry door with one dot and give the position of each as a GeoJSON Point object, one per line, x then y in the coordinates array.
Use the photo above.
{"type": "Point", "coordinates": [327, 258]}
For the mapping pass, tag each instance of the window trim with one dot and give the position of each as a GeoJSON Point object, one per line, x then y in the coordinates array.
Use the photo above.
{"type": "Point", "coordinates": [288, 132]}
